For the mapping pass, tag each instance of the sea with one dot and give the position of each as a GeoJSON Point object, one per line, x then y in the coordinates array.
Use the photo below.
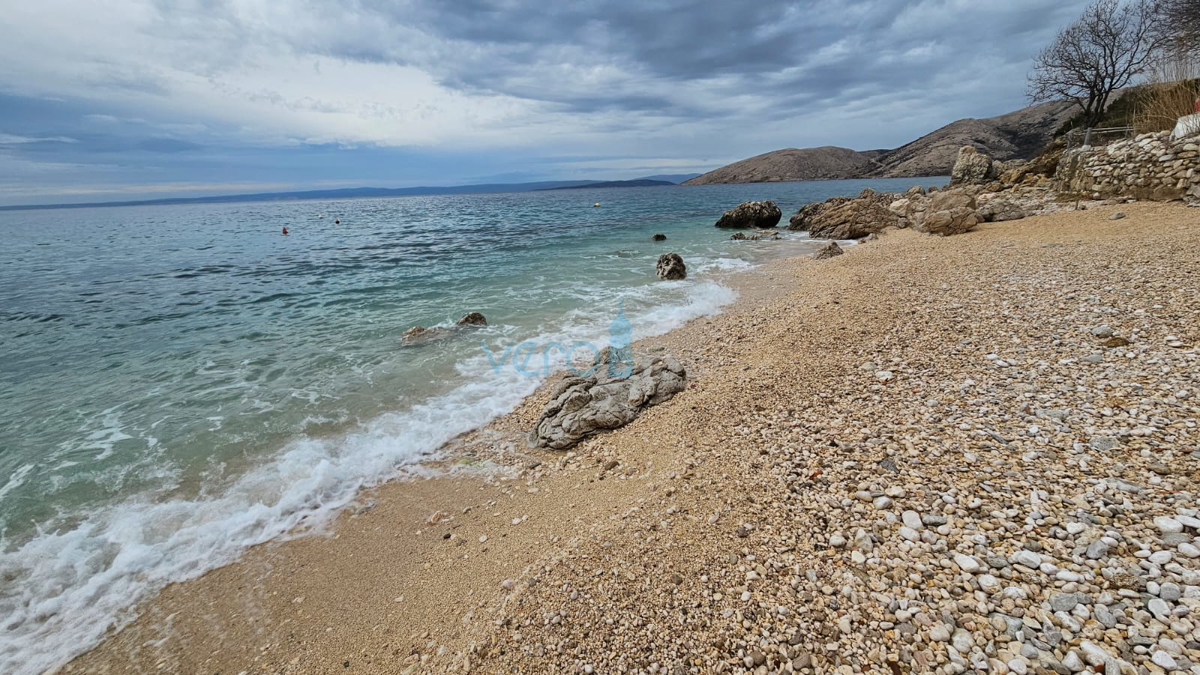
{"type": "Point", "coordinates": [179, 383]}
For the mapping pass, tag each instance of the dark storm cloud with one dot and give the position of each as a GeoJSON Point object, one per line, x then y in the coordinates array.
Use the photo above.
{"type": "Point", "coordinates": [181, 90]}
{"type": "Point", "coordinates": [792, 52]}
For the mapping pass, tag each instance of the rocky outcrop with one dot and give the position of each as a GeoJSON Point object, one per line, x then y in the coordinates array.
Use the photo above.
{"type": "Point", "coordinates": [769, 235]}
{"type": "Point", "coordinates": [973, 168]}
{"type": "Point", "coordinates": [1016, 203]}
{"type": "Point", "coordinates": [948, 212]}
{"type": "Point", "coordinates": [670, 267]}
{"type": "Point", "coordinates": [582, 406]}
{"type": "Point", "coordinates": [659, 237]}
{"type": "Point", "coordinates": [844, 218]}
{"type": "Point", "coordinates": [808, 214]}
{"type": "Point", "coordinates": [760, 215]}
{"type": "Point", "coordinates": [1004, 208]}
{"type": "Point", "coordinates": [830, 250]}
{"type": "Point", "coordinates": [472, 319]}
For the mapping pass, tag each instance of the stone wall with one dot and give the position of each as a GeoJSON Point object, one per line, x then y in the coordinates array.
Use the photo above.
{"type": "Point", "coordinates": [1151, 166]}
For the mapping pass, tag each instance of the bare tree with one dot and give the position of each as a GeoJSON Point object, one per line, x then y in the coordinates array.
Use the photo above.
{"type": "Point", "coordinates": [1180, 21]}
{"type": "Point", "coordinates": [1103, 51]}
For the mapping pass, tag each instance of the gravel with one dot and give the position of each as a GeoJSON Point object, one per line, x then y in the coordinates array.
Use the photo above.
{"type": "Point", "coordinates": [1003, 519]}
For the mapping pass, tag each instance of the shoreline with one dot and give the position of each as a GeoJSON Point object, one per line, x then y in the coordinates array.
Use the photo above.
{"type": "Point", "coordinates": [491, 456]}
{"type": "Point", "coordinates": [692, 492]}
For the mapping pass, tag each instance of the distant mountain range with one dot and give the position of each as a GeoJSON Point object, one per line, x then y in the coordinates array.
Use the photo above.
{"type": "Point", "coordinates": [640, 182]}
{"type": "Point", "coordinates": [363, 192]}
{"type": "Point", "coordinates": [1017, 135]}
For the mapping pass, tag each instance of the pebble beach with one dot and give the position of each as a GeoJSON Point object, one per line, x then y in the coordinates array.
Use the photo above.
{"type": "Point", "coordinates": [930, 454]}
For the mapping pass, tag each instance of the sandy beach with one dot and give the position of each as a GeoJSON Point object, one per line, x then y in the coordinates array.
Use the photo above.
{"type": "Point", "coordinates": [928, 454]}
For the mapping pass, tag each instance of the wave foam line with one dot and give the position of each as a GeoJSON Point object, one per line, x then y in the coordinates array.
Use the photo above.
{"type": "Point", "coordinates": [66, 588]}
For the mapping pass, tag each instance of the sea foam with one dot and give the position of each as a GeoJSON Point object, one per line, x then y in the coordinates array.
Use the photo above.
{"type": "Point", "coordinates": [66, 588]}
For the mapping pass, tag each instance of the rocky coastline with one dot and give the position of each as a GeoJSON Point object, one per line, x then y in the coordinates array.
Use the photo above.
{"type": "Point", "coordinates": [945, 454]}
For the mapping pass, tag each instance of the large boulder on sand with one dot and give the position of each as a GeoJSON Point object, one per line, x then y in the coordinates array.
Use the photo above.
{"type": "Point", "coordinates": [853, 220]}
{"type": "Point", "coordinates": [809, 213]}
{"type": "Point", "coordinates": [948, 212]}
{"type": "Point", "coordinates": [1003, 208]}
{"type": "Point", "coordinates": [843, 218]}
{"type": "Point", "coordinates": [670, 267]}
{"type": "Point", "coordinates": [760, 215]}
{"type": "Point", "coordinates": [582, 406]}
{"type": "Point", "coordinates": [846, 217]}
{"type": "Point", "coordinates": [973, 168]}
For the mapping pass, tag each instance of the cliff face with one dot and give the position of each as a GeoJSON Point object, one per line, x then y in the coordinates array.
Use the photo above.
{"type": "Point", "coordinates": [1017, 135]}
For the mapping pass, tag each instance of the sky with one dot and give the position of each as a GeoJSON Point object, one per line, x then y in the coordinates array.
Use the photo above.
{"type": "Point", "coordinates": [142, 99]}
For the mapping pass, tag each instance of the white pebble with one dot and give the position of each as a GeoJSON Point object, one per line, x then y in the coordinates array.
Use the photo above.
{"type": "Point", "coordinates": [1068, 575]}
{"type": "Point", "coordinates": [1168, 525]}
{"type": "Point", "coordinates": [1028, 559]}
{"type": "Point", "coordinates": [967, 563]}
{"type": "Point", "coordinates": [1160, 557]}
{"type": "Point", "coordinates": [912, 519]}
{"type": "Point", "coordinates": [989, 584]}
{"type": "Point", "coordinates": [1164, 660]}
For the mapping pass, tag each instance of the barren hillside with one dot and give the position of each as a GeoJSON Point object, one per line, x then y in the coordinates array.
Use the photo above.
{"type": "Point", "coordinates": [792, 164]}
{"type": "Point", "coordinates": [1016, 135]}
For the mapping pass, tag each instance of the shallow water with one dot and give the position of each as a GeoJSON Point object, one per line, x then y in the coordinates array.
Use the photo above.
{"type": "Point", "coordinates": [181, 382]}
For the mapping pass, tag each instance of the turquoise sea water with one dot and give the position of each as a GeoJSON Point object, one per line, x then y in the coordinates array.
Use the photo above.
{"type": "Point", "coordinates": [181, 382]}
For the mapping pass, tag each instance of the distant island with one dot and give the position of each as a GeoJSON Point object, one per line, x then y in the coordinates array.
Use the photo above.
{"type": "Point", "coordinates": [641, 182]}
{"type": "Point", "coordinates": [368, 192]}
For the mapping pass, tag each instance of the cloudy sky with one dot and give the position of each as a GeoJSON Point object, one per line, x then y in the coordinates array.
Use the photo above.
{"type": "Point", "coordinates": [130, 99]}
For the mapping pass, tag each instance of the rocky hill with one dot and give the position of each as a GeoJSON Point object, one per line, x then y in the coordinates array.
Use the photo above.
{"type": "Point", "coordinates": [1016, 135]}
{"type": "Point", "coordinates": [793, 164]}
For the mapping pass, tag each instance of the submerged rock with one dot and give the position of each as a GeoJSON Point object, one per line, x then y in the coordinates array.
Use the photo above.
{"type": "Point", "coordinates": [761, 215]}
{"type": "Point", "coordinates": [670, 267]}
{"type": "Point", "coordinates": [769, 235]}
{"type": "Point", "coordinates": [420, 335]}
{"type": "Point", "coordinates": [608, 399]}
{"type": "Point", "coordinates": [659, 237]}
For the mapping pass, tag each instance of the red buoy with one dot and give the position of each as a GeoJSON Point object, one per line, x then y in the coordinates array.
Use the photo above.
{"type": "Point", "coordinates": [337, 222]}
{"type": "Point", "coordinates": [285, 230]}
